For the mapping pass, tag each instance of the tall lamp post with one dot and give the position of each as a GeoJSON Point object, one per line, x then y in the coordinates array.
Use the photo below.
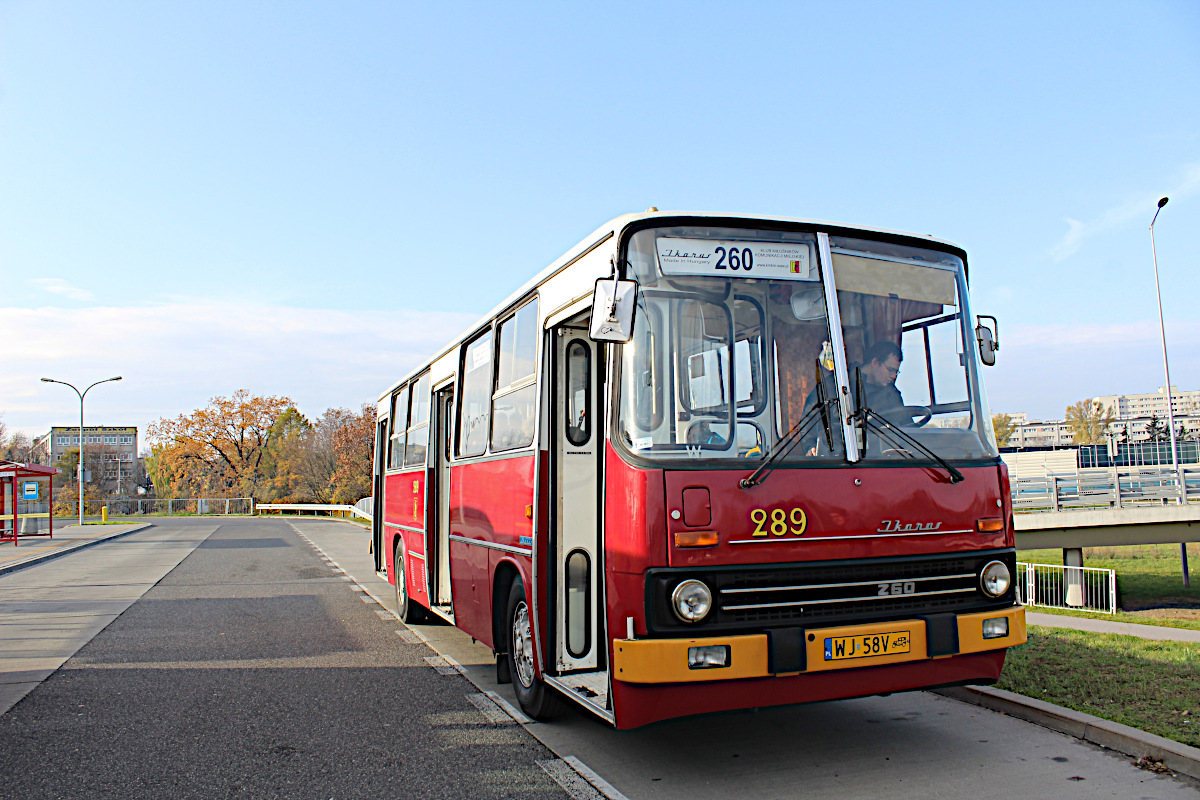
{"type": "Point", "coordinates": [1170, 401]}
{"type": "Point", "coordinates": [82, 395]}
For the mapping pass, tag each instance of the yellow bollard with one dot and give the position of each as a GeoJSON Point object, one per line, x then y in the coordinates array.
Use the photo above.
{"type": "Point", "coordinates": [104, 513]}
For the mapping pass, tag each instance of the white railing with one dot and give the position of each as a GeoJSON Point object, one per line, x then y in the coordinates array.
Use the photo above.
{"type": "Point", "coordinates": [1106, 487]}
{"type": "Point", "coordinates": [218, 506]}
{"type": "Point", "coordinates": [315, 508]}
{"type": "Point", "coordinates": [1058, 586]}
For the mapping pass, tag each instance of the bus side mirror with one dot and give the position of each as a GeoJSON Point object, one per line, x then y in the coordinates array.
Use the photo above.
{"type": "Point", "coordinates": [612, 310]}
{"type": "Point", "coordinates": [988, 338]}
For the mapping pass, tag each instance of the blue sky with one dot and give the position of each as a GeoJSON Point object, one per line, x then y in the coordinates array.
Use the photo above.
{"type": "Point", "coordinates": [305, 199]}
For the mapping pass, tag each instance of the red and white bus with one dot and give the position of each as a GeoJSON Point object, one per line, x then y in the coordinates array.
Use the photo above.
{"type": "Point", "coordinates": [710, 462]}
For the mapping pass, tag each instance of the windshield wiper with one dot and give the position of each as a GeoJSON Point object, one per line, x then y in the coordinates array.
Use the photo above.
{"type": "Point", "coordinates": [892, 433]}
{"type": "Point", "coordinates": [795, 435]}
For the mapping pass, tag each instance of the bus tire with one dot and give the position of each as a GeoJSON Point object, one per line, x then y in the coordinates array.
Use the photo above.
{"type": "Point", "coordinates": [537, 699]}
{"type": "Point", "coordinates": [410, 610]}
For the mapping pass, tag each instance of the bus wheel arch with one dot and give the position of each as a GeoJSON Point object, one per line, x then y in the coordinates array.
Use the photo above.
{"type": "Point", "coordinates": [410, 610]}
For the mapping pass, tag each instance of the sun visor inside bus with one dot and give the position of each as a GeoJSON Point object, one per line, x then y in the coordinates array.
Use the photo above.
{"type": "Point", "coordinates": [885, 278]}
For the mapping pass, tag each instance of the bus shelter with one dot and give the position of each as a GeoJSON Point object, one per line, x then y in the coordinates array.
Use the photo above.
{"type": "Point", "coordinates": [26, 500]}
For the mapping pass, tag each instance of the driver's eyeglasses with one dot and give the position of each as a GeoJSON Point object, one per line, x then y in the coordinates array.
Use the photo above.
{"type": "Point", "coordinates": [892, 370]}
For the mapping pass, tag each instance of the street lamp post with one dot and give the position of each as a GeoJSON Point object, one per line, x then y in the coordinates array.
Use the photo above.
{"type": "Point", "coordinates": [1170, 401]}
{"type": "Point", "coordinates": [82, 395]}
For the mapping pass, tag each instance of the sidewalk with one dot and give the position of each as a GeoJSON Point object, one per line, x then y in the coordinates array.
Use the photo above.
{"type": "Point", "coordinates": [1156, 632]}
{"type": "Point", "coordinates": [69, 538]}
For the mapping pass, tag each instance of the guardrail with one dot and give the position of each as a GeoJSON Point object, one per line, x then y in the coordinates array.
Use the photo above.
{"type": "Point", "coordinates": [1074, 588]}
{"type": "Point", "coordinates": [1111, 487]}
{"type": "Point", "coordinates": [205, 506]}
{"type": "Point", "coordinates": [315, 508]}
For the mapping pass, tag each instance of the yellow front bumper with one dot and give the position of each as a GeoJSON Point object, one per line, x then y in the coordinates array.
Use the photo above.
{"type": "Point", "coordinates": [666, 660]}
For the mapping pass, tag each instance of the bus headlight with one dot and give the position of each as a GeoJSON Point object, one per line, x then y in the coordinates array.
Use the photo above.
{"type": "Point", "coordinates": [995, 579]}
{"type": "Point", "coordinates": [691, 601]}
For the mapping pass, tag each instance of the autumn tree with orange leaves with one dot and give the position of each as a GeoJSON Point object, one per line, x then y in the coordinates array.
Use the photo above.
{"type": "Point", "coordinates": [220, 448]}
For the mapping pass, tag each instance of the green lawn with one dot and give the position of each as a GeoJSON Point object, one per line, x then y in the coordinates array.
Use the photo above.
{"type": "Point", "coordinates": [1149, 582]}
{"type": "Point", "coordinates": [1153, 686]}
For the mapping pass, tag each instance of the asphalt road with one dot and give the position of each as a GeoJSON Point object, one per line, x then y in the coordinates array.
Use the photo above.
{"type": "Point", "coordinates": [253, 669]}
{"type": "Point", "coordinates": [259, 666]}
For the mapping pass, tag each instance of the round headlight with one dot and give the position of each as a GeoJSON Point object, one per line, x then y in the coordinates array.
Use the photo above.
{"type": "Point", "coordinates": [691, 601]}
{"type": "Point", "coordinates": [995, 579]}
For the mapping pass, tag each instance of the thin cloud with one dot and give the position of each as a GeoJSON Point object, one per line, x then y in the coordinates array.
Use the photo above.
{"type": "Point", "coordinates": [60, 286]}
{"type": "Point", "coordinates": [175, 357]}
{"type": "Point", "coordinates": [1133, 210]}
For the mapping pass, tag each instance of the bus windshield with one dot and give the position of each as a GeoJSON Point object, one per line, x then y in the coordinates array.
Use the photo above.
{"type": "Point", "coordinates": [733, 350]}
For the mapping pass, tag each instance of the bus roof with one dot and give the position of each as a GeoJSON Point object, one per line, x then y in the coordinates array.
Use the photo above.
{"type": "Point", "coordinates": [614, 227]}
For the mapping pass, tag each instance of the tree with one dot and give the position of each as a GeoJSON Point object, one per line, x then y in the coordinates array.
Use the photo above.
{"type": "Point", "coordinates": [1155, 430]}
{"type": "Point", "coordinates": [231, 436]}
{"type": "Point", "coordinates": [1089, 419]}
{"type": "Point", "coordinates": [352, 446]}
{"type": "Point", "coordinates": [1005, 427]}
{"type": "Point", "coordinates": [17, 447]}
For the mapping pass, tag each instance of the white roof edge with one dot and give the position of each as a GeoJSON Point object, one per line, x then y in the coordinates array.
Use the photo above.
{"type": "Point", "coordinates": [614, 226]}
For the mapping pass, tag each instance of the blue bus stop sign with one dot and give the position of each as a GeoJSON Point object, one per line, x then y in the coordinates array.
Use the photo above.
{"type": "Point", "coordinates": [29, 490]}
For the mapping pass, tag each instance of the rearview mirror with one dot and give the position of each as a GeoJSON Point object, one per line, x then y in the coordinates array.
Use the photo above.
{"type": "Point", "coordinates": [612, 310]}
{"type": "Point", "coordinates": [988, 338]}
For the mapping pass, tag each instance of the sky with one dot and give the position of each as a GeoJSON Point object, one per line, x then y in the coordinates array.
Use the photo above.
{"type": "Point", "coordinates": [307, 199]}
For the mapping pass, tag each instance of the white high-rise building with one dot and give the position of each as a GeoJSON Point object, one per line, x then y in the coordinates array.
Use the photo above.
{"type": "Point", "coordinates": [1134, 406]}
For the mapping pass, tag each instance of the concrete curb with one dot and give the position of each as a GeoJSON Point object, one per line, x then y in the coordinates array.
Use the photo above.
{"type": "Point", "coordinates": [71, 548]}
{"type": "Point", "coordinates": [1174, 755]}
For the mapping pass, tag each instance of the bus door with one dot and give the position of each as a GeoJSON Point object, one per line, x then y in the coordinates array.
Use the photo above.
{"type": "Point", "coordinates": [381, 443]}
{"type": "Point", "coordinates": [576, 414]}
{"type": "Point", "coordinates": [439, 514]}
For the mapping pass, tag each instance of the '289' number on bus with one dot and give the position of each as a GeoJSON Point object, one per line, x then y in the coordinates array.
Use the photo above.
{"type": "Point", "coordinates": [737, 259]}
{"type": "Point", "coordinates": [778, 522]}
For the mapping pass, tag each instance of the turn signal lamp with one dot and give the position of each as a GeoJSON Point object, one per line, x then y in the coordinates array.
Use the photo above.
{"type": "Point", "coordinates": [989, 525]}
{"type": "Point", "coordinates": [695, 538]}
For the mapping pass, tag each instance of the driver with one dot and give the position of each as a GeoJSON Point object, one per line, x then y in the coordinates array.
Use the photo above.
{"type": "Point", "coordinates": [881, 365]}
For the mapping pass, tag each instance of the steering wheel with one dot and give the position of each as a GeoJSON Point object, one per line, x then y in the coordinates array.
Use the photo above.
{"type": "Point", "coordinates": [911, 414]}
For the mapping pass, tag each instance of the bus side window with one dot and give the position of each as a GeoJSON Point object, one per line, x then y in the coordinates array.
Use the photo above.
{"type": "Point", "coordinates": [418, 424]}
{"type": "Point", "coordinates": [515, 394]}
{"type": "Point", "coordinates": [474, 407]}
{"type": "Point", "coordinates": [399, 428]}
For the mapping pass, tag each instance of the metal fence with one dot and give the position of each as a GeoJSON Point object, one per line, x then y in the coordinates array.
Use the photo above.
{"type": "Point", "coordinates": [1111, 487]}
{"type": "Point", "coordinates": [199, 506]}
{"type": "Point", "coordinates": [1077, 588]}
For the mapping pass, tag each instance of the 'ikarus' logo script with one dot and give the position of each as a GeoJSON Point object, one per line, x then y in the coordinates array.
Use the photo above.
{"type": "Point", "coordinates": [896, 526]}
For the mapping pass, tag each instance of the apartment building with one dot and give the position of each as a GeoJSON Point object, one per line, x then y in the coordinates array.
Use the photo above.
{"type": "Point", "coordinates": [109, 455]}
{"type": "Point", "coordinates": [1134, 406]}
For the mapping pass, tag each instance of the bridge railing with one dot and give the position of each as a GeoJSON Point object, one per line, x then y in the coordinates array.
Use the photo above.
{"type": "Point", "coordinates": [1111, 487]}
{"type": "Point", "coordinates": [316, 509]}
{"type": "Point", "coordinates": [1076, 588]}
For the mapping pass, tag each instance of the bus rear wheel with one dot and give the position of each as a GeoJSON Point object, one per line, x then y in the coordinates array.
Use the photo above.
{"type": "Point", "coordinates": [410, 610]}
{"type": "Point", "coordinates": [537, 699]}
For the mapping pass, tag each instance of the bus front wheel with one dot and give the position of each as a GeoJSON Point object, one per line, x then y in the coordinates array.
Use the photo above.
{"type": "Point", "coordinates": [537, 699]}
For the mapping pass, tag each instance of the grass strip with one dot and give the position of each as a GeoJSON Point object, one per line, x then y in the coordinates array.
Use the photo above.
{"type": "Point", "coordinates": [1149, 685]}
{"type": "Point", "coordinates": [1150, 587]}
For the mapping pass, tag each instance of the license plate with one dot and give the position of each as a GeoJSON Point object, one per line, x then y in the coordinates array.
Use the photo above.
{"type": "Point", "coordinates": [869, 645]}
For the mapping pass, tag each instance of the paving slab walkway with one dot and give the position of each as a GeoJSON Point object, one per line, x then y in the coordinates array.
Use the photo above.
{"type": "Point", "coordinates": [1156, 632]}
{"type": "Point", "coordinates": [32, 550]}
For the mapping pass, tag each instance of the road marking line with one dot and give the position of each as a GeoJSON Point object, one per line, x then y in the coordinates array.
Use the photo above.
{"type": "Point", "coordinates": [381, 613]}
{"type": "Point", "coordinates": [571, 782]}
{"type": "Point", "coordinates": [440, 664]}
{"type": "Point", "coordinates": [604, 787]}
{"type": "Point", "coordinates": [492, 712]}
{"type": "Point", "coordinates": [512, 710]}
{"type": "Point", "coordinates": [408, 636]}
